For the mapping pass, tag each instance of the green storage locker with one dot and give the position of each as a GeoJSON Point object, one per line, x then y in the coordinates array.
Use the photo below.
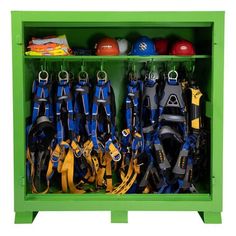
{"type": "Point", "coordinates": [204, 29]}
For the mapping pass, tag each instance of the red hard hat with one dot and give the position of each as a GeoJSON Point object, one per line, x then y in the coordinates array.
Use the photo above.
{"type": "Point", "coordinates": [183, 48]}
{"type": "Point", "coordinates": [107, 47]}
{"type": "Point", "coordinates": [161, 46]}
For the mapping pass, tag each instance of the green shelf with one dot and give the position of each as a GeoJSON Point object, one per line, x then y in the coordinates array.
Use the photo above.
{"type": "Point", "coordinates": [118, 58]}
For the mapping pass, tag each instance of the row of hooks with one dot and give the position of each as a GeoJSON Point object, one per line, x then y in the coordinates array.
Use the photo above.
{"type": "Point", "coordinates": [190, 66]}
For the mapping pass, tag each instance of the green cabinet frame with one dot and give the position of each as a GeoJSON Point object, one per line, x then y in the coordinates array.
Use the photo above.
{"type": "Point", "coordinates": [209, 205]}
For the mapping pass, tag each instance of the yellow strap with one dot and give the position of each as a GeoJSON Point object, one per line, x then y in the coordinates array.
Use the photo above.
{"type": "Point", "coordinates": [109, 187]}
{"type": "Point", "coordinates": [101, 170]}
{"type": "Point", "coordinates": [114, 152]}
{"type": "Point", "coordinates": [64, 170]}
{"type": "Point", "coordinates": [126, 179]}
{"type": "Point", "coordinates": [196, 123]}
{"type": "Point", "coordinates": [126, 188]}
{"type": "Point", "coordinates": [95, 164]}
{"type": "Point", "coordinates": [64, 182]}
{"type": "Point", "coordinates": [196, 95]}
{"type": "Point", "coordinates": [68, 174]}
{"type": "Point", "coordinates": [129, 179]}
{"type": "Point", "coordinates": [32, 174]}
{"type": "Point", "coordinates": [122, 168]}
{"type": "Point", "coordinates": [146, 190]}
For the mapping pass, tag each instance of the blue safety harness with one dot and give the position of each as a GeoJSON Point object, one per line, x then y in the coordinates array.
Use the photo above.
{"type": "Point", "coordinates": [41, 92]}
{"type": "Point", "coordinates": [64, 111]}
{"type": "Point", "coordinates": [102, 99]}
{"type": "Point", "coordinates": [82, 108]}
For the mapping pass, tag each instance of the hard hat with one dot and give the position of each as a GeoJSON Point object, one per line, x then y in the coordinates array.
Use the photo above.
{"type": "Point", "coordinates": [161, 46]}
{"type": "Point", "coordinates": [182, 48]}
{"type": "Point", "coordinates": [144, 46]}
{"type": "Point", "coordinates": [123, 46]}
{"type": "Point", "coordinates": [107, 47]}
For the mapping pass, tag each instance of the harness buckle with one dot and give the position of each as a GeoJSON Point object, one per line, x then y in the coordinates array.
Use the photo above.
{"type": "Point", "coordinates": [125, 132]}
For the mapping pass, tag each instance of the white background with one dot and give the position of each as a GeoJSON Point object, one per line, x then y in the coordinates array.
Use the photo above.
{"type": "Point", "coordinates": [98, 223]}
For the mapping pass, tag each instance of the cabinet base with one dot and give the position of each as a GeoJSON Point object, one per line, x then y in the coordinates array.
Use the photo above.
{"type": "Point", "coordinates": [210, 217]}
{"type": "Point", "coordinates": [119, 216]}
{"type": "Point", "coordinates": [25, 217]}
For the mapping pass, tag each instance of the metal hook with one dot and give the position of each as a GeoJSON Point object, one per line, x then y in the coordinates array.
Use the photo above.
{"type": "Point", "coordinates": [101, 66]}
{"type": "Point", "coordinates": [152, 66]}
{"type": "Point", "coordinates": [44, 65]}
{"type": "Point", "coordinates": [133, 67]}
{"type": "Point", "coordinates": [63, 65]}
{"type": "Point", "coordinates": [82, 66]}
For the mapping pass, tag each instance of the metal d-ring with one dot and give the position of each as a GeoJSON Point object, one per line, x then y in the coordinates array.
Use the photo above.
{"type": "Point", "coordinates": [43, 76]}
{"type": "Point", "coordinates": [102, 75]}
{"type": "Point", "coordinates": [172, 78]}
{"type": "Point", "coordinates": [64, 78]}
{"type": "Point", "coordinates": [83, 76]}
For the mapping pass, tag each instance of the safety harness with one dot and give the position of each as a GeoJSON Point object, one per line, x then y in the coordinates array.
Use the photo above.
{"type": "Point", "coordinates": [132, 141]}
{"type": "Point", "coordinates": [81, 107]}
{"type": "Point", "coordinates": [64, 108]}
{"type": "Point", "coordinates": [159, 144]}
{"type": "Point", "coordinates": [103, 128]}
{"type": "Point", "coordinates": [172, 113]}
{"type": "Point", "coordinates": [39, 140]}
{"type": "Point", "coordinates": [41, 90]}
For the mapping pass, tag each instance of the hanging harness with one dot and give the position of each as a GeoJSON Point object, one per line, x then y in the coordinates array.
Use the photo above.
{"type": "Point", "coordinates": [131, 140]}
{"type": "Point", "coordinates": [41, 97]}
{"type": "Point", "coordinates": [64, 108]}
{"type": "Point", "coordinates": [172, 112]}
{"type": "Point", "coordinates": [81, 107]}
{"type": "Point", "coordinates": [105, 130]}
{"type": "Point", "coordinates": [132, 101]}
{"type": "Point", "coordinates": [81, 162]}
{"type": "Point", "coordinates": [150, 100]}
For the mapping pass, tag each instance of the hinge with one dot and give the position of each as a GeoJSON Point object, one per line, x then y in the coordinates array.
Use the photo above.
{"type": "Point", "coordinates": [19, 40]}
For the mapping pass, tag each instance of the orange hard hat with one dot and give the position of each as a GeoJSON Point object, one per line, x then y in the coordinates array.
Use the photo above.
{"type": "Point", "coordinates": [107, 47]}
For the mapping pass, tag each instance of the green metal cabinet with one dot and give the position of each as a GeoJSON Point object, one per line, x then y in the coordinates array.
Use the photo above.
{"type": "Point", "coordinates": [205, 29]}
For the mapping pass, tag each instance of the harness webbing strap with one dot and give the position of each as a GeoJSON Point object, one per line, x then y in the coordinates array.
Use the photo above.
{"type": "Point", "coordinates": [101, 170]}
{"type": "Point", "coordinates": [126, 179]}
{"type": "Point", "coordinates": [130, 178]}
{"type": "Point", "coordinates": [32, 174]}
{"type": "Point", "coordinates": [122, 168]}
{"type": "Point", "coordinates": [108, 159]}
{"type": "Point", "coordinates": [67, 171]}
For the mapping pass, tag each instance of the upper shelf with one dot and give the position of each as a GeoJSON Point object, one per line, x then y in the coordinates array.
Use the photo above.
{"type": "Point", "coordinates": [118, 58]}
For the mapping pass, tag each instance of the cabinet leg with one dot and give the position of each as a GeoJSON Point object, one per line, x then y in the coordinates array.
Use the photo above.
{"type": "Point", "coordinates": [210, 217]}
{"type": "Point", "coordinates": [25, 217]}
{"type": "Point", "coordinates": [119, 216]}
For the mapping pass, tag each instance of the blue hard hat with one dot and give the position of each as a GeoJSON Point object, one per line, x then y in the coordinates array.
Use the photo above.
{"type": "Point", "coordinates": [144, 46]}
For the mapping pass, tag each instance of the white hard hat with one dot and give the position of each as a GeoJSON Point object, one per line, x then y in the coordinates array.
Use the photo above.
{"type": "Point", "coordinates": [123, 46]}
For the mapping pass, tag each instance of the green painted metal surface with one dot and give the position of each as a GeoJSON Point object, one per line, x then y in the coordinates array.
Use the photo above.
{"type": "Point", "coordinates": [206, 29]}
